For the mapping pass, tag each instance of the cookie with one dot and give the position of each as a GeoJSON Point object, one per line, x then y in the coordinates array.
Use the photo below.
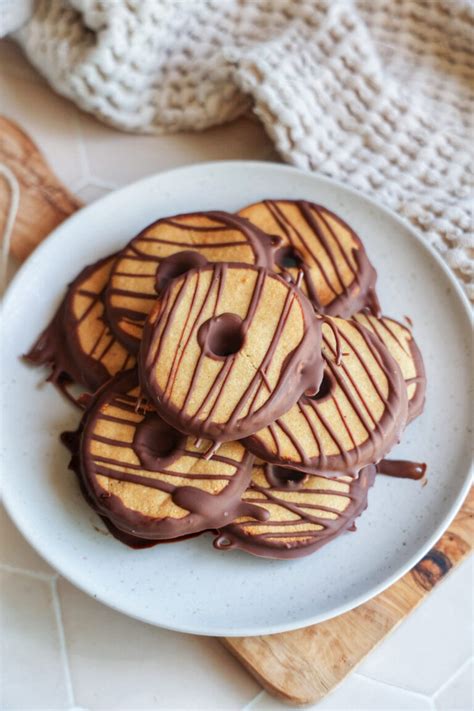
{"type": "Point", "coordinates": [229, 348]}
{"type": "Point", "coordinates": [167, 249]}
{"type": "Point", "coordinates": [78, 343]}
{"type": "Point", "coordinates": [302, 512]}
{"type": "Point", "coordinates": [147, 478]}
{"type": "Point", "coordinates": [71, 441]}
{"type": "Point", "coordinates": [357, 415]}
{"type": "Point", "coordinates": [402, 346]}
{"type": "Point", "coordinates": [338, 277]}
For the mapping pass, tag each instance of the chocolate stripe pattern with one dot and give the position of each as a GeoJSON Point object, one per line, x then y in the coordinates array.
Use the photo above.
{"type": "Point", "coordinates": [227, 349]}
{"type": "Point", "coordinates": [338, 277]}
{"type": "Point", "coordinates": [356, 417]}
{"type": "Point", "coordinates": [150, 480]}
{"type": "Point", "coordinates": [78, 342]}
{"type": "Point", "coordinates": [201, 237]}
{"type": "Point", "coordinates": [402, 346]}
{"type": "Point", "coordinates": [303, 512]}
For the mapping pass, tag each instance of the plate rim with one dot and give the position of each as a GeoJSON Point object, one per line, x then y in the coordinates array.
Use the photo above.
{"type": "Point", "coordinates": [354, 602]}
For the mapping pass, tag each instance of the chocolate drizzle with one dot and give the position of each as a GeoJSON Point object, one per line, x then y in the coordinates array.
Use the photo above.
{"type": "Point", "coordinates": [333, 442]}
{"type": "Point", "coordinates": [259, 402]}
{"type": "Point", "coordinates": [148, 262]}
{"type": "Point", "coordinates": [338, 277]}
{"type": "Point", "coordinates": [155, 458]}
{"type": "Point", "coordinates": [402, 469]}
{"type": "Point", "coordinates": [296, 524]}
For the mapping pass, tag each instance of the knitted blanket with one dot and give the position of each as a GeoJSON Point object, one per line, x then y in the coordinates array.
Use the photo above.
{"type": "Point", "coordinates": [375, 93]}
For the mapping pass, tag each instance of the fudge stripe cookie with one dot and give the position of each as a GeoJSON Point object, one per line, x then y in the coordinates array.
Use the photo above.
{"type": "Point", "coordinates": [338, 277]}
{"type": "Point", "coordinates": [78, 343]}
{"type": "Point", "coordinates": [302, 512]}
{"type": "Point", "coordinates": [168, 248]}
{"type": "Point", "coordinates": [149, 479]}
{"type": "Point", "coordinates": [227, 349]}
{"type": "Point", "coordinates": [357, 415]}
{"type": "Point", "coordinates": [402, 346]}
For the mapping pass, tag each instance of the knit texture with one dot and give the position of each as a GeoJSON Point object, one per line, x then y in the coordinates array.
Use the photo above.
{"type": "Point", "coordinates": [375, 93]}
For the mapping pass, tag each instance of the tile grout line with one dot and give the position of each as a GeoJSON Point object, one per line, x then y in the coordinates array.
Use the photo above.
{"type": "Point", "coordinates": [83, 159]}
{"type": "Point", "coordinates": [403, 689]}
{"type": "Point", "coordinates": [88, 177]}
{"type": "Point", "coordinates": [251, 703]}
{"type": "Point", "coordinates": [79, 184]}
{"type": "Point", "coordinates": [62, 640]}
{"type": "Point", "coordinates": [453, 676]}
{"type": "Point", "coordinates": [44, 577]}
{"type": "Point", "coordinates": [105, 184]}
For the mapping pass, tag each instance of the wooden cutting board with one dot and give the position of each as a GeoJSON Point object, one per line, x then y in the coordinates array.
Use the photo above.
{"type": "Point", "coordinates": [299, 667]}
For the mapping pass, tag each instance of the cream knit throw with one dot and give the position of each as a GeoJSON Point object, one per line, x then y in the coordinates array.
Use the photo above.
{"type": "Point", "coordinates": [376, 93]}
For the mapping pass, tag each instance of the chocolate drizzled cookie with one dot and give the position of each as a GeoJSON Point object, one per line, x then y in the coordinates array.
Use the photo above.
{"type": "Point", "coordinates": [227, 349]}
{"type": "Point", "coordinates": [170, 247]}
{"type": "Point", "coordinates": [78, 343]}
{"type": "Point", "coordinates": [338, 277]}
{"type": "Point", "coordinates": [356, 417]}
{"type": "Point", "coordinates": [402, 346]}
{"type": "Point", "coordinates": [147, 478]}
{"type": "Point", "coordinates": [301, 512]}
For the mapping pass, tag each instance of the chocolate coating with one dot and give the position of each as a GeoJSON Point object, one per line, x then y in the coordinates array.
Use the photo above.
{"type": "Point", "coordinates": [71, 441]}
{"type": "Point", "coordinates": [168, 248]}
{"type": "Point", "coordinates": [78, 343]}
{"type": "Point", "coordinates": [222, 375]}
{"type": "Point", "coordinates": [402, 469]}
{"type": "Point", "coordinates": [148, 479]}
{"type": "Point", "coordinates": [303, 512]}
{"type": "Point", "coordinates": [338, 277]}
{"type": "Point", "coordinates": [51, 349]}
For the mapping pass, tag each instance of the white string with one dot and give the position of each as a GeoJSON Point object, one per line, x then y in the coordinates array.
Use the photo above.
{"type": "Point", "coordinates": [12, 212]}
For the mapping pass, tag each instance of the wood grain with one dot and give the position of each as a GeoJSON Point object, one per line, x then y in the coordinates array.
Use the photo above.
{"type": "Point", "coordinates": [44, 201]}
{"type": "Point", "coordinates": [299, 667]}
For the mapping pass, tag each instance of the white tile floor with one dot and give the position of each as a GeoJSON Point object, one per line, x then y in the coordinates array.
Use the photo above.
{"type": "Point", "coordinates": [63, 650]}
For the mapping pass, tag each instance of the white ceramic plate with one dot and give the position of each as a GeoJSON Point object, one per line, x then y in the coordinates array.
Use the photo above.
{"type": "Point", "coordinates": [189, 586]}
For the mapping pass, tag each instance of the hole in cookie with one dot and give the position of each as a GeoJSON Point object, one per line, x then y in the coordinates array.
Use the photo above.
{"type": "Point", "coordinates": [284, 476]}
{"type": "Point", "coordinates": [176, 265]}
{"type": "Point", "coordinates": [325, 389]}
{"type": "Point", "coordinates": [288, 258]}
{"type": "Point", "coordinates": [157, 443]}
{"type": "Point", "coordinates": [222, 336]}
{"type": "Point", "coordinates": [222, 542]}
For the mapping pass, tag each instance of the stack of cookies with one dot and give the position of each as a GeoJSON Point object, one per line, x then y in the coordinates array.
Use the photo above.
{"type": "Point", "coordinates": [240, 379]}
